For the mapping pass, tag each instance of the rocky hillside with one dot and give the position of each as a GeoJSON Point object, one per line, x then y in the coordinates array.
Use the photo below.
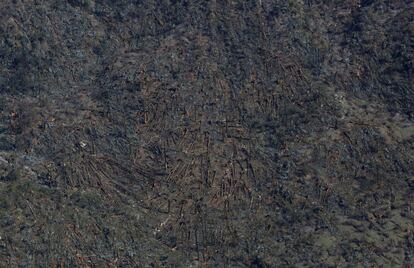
{"type": "Point", "coordinates": [234, 133]}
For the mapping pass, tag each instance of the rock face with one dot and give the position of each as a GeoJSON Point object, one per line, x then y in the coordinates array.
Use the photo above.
{"type": "Point", "coordinates": [206, 133]}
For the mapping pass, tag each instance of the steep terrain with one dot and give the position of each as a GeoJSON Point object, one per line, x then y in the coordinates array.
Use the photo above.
{"type": "Point", "coordinates": [260, 133]}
